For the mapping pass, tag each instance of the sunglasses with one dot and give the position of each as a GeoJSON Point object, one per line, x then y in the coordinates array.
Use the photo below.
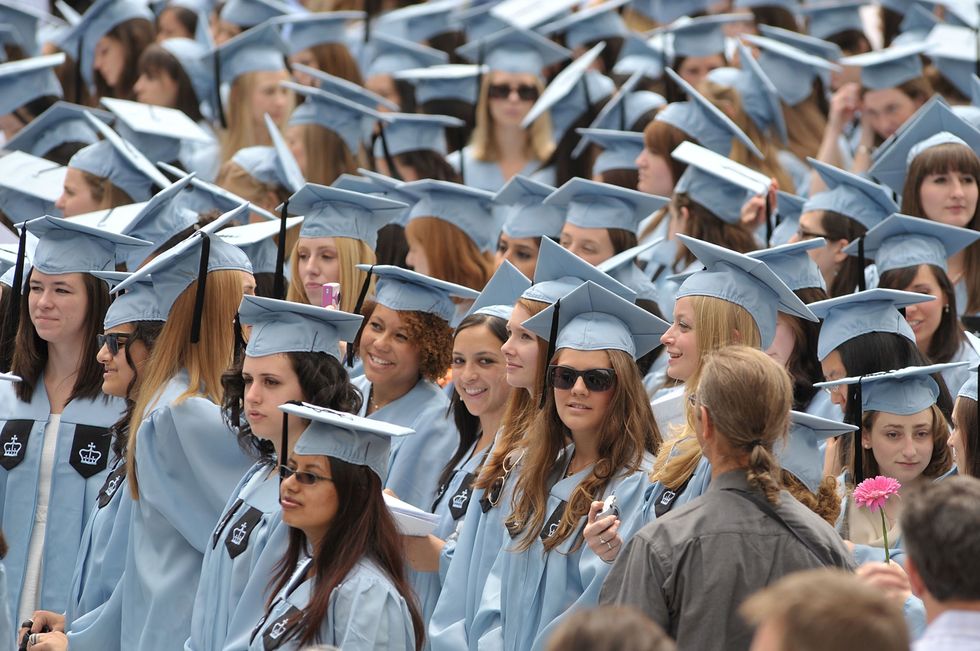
{"type": "Point", "coordinates": [525, 92]}
{"type": "Point", "coordinates": [113, 341]}
{"type": "Point", "coordinates": [596, 379]}
{"type": "Point", "coordinates": [496, 488]}
{"type": "Point", "coordinates": [306, 478]}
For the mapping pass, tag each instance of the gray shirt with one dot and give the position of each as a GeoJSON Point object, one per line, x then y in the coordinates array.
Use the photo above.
{"type": "Point", "coordinates": [690, 569]}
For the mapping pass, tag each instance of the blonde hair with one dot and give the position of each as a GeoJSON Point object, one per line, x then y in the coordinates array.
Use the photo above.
{"type": "Point", "coordinates": [104, 192]}
{"type": "Point", "coordinates": [234, 178]}
{"type": "Point", "coordinates": [327, 155]}
{"type": "Point", "coordinates": [805, 125]}
{"type": "Point", "coordinates": [538, 144]}
{"type": "Point", "coordinates": [242, 131]}
{"type": "Point", "coordinates": [204, 361]}
{"type": "Point", "coordinates": [451, 254]}
{"type": "Point", "coordinates": [350, 253]}
{"type": "Point", "coordinates": [717, 323]}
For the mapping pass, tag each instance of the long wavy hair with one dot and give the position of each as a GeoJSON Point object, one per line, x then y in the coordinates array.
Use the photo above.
{"type": "Point", "coordinates": [538, 145]}
{"type": "Point", "coordinates": [135, 35]}
{"type": "Point", "coordinates": [451, 254]}
{"type": "Point", "coordinates": [350, 253]}
{"type": "Point", "coordinates": [145, 332]}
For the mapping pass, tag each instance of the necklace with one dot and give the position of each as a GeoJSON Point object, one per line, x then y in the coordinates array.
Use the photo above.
{"type": "Point", "coordinates": [374, 405]}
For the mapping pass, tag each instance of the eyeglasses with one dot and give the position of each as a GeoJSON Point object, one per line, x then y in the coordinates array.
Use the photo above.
{"type": "Point", "coordinates": [497, 487]}
{"type": "Point", "coordinates": [525, 92]}
{"type": "Point", "coordinates": [808, 235]}
{"type": "Point", "coordinates": [113, 341]}
{"type": "Point", "coordinates": [596, 379]}
{"type": "Point", "coordinates": [306, 478]}
{"type": "Point", "coordinates": [834, 390]}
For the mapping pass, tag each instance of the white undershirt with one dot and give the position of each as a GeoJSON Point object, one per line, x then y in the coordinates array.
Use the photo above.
{"type": "Point", "coordinates": [29, 596]}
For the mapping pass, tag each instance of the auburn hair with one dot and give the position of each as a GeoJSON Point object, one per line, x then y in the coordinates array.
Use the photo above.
{"type": "Point", "coordinates": [327, 155]}
{"type": "Point", "coordinates": [452, 255]}
{"type": "Point", "coordinates": [135, 35]}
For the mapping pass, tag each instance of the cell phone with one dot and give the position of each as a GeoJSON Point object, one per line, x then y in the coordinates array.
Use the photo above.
{"type": "Point", "coordinates": [608, 508]}
{"type": "Point", "coordinates": [331, 295]}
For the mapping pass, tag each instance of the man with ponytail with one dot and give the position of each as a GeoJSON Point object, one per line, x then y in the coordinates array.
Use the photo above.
{"type": "Point", "coordinates": [746, 531]}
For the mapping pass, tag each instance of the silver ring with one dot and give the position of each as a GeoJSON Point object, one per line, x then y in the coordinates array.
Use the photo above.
{"type": "Point", "coordinates": [601, 540]}
{"type": "Point", "coordinates": [32, 640]}
{"type": "Point", "coordinates": [609, 545]}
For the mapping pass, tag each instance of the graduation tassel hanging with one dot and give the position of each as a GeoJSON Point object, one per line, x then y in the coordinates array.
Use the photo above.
{"type": "Point", "coordinates": [218, 104]}
{"type": "Point", "coordinates": [284, 442]}
{"type": "Point", "coordinates": [202, 281]}
{"type": "Point", "coordinates": [79, 81]}
{"type": "Point", "coordinates": [389, 159]}
{"type": "Point", "coordinates": [13, 318]}
{"type": "Point", "coordinates": [862, 283]}
{"type": "Point", "coordinates": [349, 357]}
{"type": "Point", "coordinates": [279, 289]}
{"type": "Point", "coordinates": [854, 412]}
{"type": "Point", "coordinates": [769, 225]}
{"type": "Point", "coordinates": [552, 337]}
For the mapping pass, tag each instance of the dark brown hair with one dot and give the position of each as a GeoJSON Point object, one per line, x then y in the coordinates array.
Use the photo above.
{"type": "Point", "coordinates": [135, 34]}
{"type": "Point", "coordinates": [945, 342]}
{"type": "Point", "coordinates": [841, 227]}
{"type": "Point", "coordinates": [662, 139]}
{"type": "Point", "coordinates": [940, 461]}
{"type": "Point", "coordinates": [803, 364]}
{"type": "Point", "coordinates": [705, 225]}
{"type": "Point", "coordinates": [156, 61]}
{"type": "Point", "coordinates": [428, 165]}
{"type": "Point", "coordinates": [968, 421]}
{"type": "Point", "coordinates": [145, 332]}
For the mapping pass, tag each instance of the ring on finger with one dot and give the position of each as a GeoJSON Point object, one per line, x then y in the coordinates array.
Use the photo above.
{"type": "Point", "coordinates": [601, 540]}
{"type": "Point", "coordinates": [609, 544]}
{"type": "Point", "coordinates": [32, 640]}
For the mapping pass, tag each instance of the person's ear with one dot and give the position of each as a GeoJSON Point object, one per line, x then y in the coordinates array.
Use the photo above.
{"type": "Point", "coordinates": [915, 579]}
{"type": "Point", "coordinates": [837, 247]}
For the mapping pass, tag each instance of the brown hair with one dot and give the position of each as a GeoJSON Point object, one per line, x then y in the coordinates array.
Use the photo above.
{"type": "Point", "coordinates": [841, 227]}
{"type": "Point", "coordinates": [941, 460]}
{"type": "Point", "coordinates": [105, 192]}
{"type": "Point", "coordinates": [943, 159]}
{"type": "Point", "coordinates": [803, 364]}
{"type": "Point", "coordinates": [825, 502]}
{"type": "Point", "coordinates": [705, 225]}
{"type": "Point", "coordinates": [234, 178]}
{"type": "Point", "coordinates": [805, 124]}
{"type": "Point", "coordinates": [609, 628]}
{"type": "Point", "coordinates": [801, 604]}
{"type": "Point", "coordinates": [748, 396]}
{"type": "Point", "coordinates": [451, 254]}
{"type": "Point", "coordinates": [946, 341]}
{"type": "Point", "coordinates": [431, 335]}
{"type": "Point", "coordinates": [628, 431]}
{"type": "Point", "coordinates": [537, 145]}
{"type": "Point", "coordinates": [968, 421]}
{"type": "Point", "coordinates": [622, 178]}
{"type": "Point", "coordinates": [336, 59]}
{"type": "Point", "coordinates": [156, 61]}
{"type": "Point", "coordinates": [135, 34]}
{"type": "Point", "coordinates": [662, 139]}
{"type": "Point", "coordinates": [327, 155]}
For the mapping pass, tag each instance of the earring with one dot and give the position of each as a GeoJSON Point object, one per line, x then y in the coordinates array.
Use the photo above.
{"type": "Point", "coordinates": [946, 308]}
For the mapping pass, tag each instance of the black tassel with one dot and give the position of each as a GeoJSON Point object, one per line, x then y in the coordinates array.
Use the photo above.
{"type": "Point", "coordinates": [769, 225]}
{"type": "Point", "coordinates": [202, 281]}
{"type": "Point", "coordinates": [862, 284]}
{"type": "Point", "coordinates": [12, 321]}
{"type": "Point", "coordinates": [349, 358]}
{"type": "Point", "coordinates": [552, 336]}
{"type": "Point", "coordinates": [284, 442]}
{"type": "Point", "coordinates": [854, 413]}
{"type": "Point", "coordinates": [279, 289]}
{"type": "Point", "coordinates": [218, 105]}
{"type": "Point", "coordinates": [79, 80]}
{"type": "Point", "coordinates": [389, 159]}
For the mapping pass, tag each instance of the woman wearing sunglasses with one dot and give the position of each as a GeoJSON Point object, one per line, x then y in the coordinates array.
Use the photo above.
{"type": "Point", "coordinates": [341, 581]}
{"type": "Point", "coordinates": [596, 399]}
{"type": "Point", "coordinates": [292, 356]}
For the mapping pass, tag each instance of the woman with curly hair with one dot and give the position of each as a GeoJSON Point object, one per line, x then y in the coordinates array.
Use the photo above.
{"type": "Point", "coordinates": [406, 346]}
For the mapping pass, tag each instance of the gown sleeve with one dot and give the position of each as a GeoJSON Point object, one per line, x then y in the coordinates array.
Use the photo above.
{"type": "Point", "coordinates": [368, 614]}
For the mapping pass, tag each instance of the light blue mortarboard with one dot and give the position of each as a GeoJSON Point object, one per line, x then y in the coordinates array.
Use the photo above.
{"type": "Point", "coordinates": [66, 247]}
{"type": "Point", "coordinates": [203, 197]}
{"type": "Point", "coordinates": [873, 310]}
{"type": "Point", "coordinates": [418, 22]}
{"type": "Point", "coordinates": [355, 183]}
{"type": "Point", "coordinates": [903, 241]}
{"type": "Point", "coordinates": [29, 186]}
{"type": "Point", "coordinates": [593, 23]}
{"type": "Point", "coordinates": [28, 79]}
{"type": "Point", "coordinates": [590, 204]}
{"type": "Point", "coordinates": [458, 82]}
{"type": "Point", "coordinates": [853, 196]}
{"type": "Point", "coordinates": [514, 50]}
{"type": "Point", "coordinates": [346, 89]}
{"type": "Point", "coordinates": [177, 268]}
{"type": "Point", "coordinates": [789, 207]}
{"type": "Point", "coordinates": [969, 388]}
{"type": "Point", "coordinates": [262, 164]}
{"type": "Point", "coordinates": [639, 56]}
{"type": "Point", "coordinates": [791, 69]}
{"type": "Point", "coordinates": [932, 119]}
{"type": "Point", "coordinates": [477, 22]}
{"type": "Point", "coordinates": [799, 453]}
{"type": "Point", "coordinates": [259, 49]}
{"type": "Point", "coordinates": [96, 22]}
{"type": "Point", "coordinates": [339, 435]}
{"type": "Point", "coordinates": [286, 166]}
{"type": "Point", "coordinates": [386, 187]}
{"type": "Point", "coordinates": [622, 267]}
{"type": "Point", "coordinates": [348, 119]}
{"type": "Point", "coordinates": [406, 132]}
{"type": "Point", "coordinates": [903, 392]}
{"type": "Point", "coordinates": [309, 30]}
{"type": "Point", "coordinates": [192, 57]}
{"type": "Point", "coordinates": [287, 327]}
{"type": "Point", "coordinates": [665, 11]}
{"type": "Point", "coordinates": [160, 219]}
{"type": "Point", "coordinates": [916, 25]}
{"type": "Point", "coordinates": [389, 55]}
{"type": "Point", "coordinates": [256, 241]}
{"type": "Point", "coordinates": [407, 291]}
{"type": "Point", "coordinates": [625, 109]}
{"type": "Point", "coordinates": [827, 19]}
{"type": "Point", "coordinates": [559, 271]}
{"type": "Point", "coordinates": [525, 214]}
{"type": "Point", "coordinates": [703, 121]}
{"type": "Point", "coordinates": [619, 148]}
{"type": "Point", "coordinates": [466, 208]}
{"type": "Point", "coordinates": [953, 52]}
{"type": "Point", "coordinates": [249, 13]}
{"type": "Point", "coordinates": [23, 21]}
{"type": "Point", "coordinates": [137, 303]}
{"type": "Point", "coordinates": [593, 318]}
{"type": "Point", "coordinates": [717, 183]}
{"type": "Point", "coordinates": [698, 37]}
{"type": "Point", "coordinates": [744, 281]}
{"type": "Point", "coordinates": [888, 68]}
{"type": "Point", "coordinates": [793, 265]}
{"type": "Point", "coordinates": [157, 131]}
{"type": "Point", "coordinates": [62, 123]}
{"type": "Point", "coordinates": [574, 91]}
{"type": "Point", "coordinates": [817, 47]}
{"type": "Point", "coordinates": [502, 291]}
{"type": "Point", "coordinates": [759, 95]}
{"type": "Point", "coordinates": [333, 212]}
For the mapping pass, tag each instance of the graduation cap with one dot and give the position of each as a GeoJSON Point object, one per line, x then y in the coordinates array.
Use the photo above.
{"type": "Point", "coordinates": [719, 184]}
{"type": "Point", "coordinates": [888, 68]}
{"type": "Point", "coordinates": [177, 268]}
{"type": "Point", "coordinates": [619, 148]}
{"type": "Point", "coordinates": [96, 22]}
{"type": "Point", "coordinates": [346, 118]}
{"type": "Point", "coordinates": [955, 51]}
{"type": "Point", "coordinates": [157, 131]}
{"type": "Point", "coordinates": [333, 212]}
{"type": "Point", "coordinates": [301, 31]}
{"type": "Point", "coordinates": [345, 89]}
{"type": "Point", "coordinates": [67, 247]}
{"type": "Point", "coordinates": [388, 54]}
{"type": "Point", "coordinates": [666, 11]}
{"type": "Point", "coordinates": [287, 327]}
{"type": "Point", "coordinates": [593, 23]}
{"type": "Point", "coordinates": [640, 56]}
{"type": "Point", "coordinates": [204, 197]}
{"type": "Point", "coordinates": [793, 265]}
{"type": "Point", "coordinates": [459, 82]}
{"type": "Point", "coordinates": [514, 50]}
{"type": "Point", "coordinates": [63, 122]}
{"type": "Point", "coordinates": [418, 22]}
{"type": "Point", "coordinates": [593, 318]}
{"type": "Point", "coordinates": [744, 281]}
{"type": "Point", "coordinates": [591, 204]}
{"type": "Point", "coordinates": [699, 37]}
{"type": "Point", "coordinates": [28, 79]}
{"type": "Point", "coordinates": [339, 435]}
{"type": "Point", "coordinates": [760, 98]}
{"type": "Point", "coordinates": [916, 26]}
{"type": "Point", "coordinates": [703, 121]}
{"type": "Point", "coordinates": [791, 70]}
{"type": "Point", "coordinates": [969, 388]}
{"type": "Point", "coordinates": [249, 13]}
{"type": "Point", "coordinates": [390, 188]}
{"type": "Point", "coordinates": [466, 208]}
{"type": "Point", "coordinates": [524, 212]}
{"type": "Point", "coordinates": [625, 109]}
{"type": "Point", "coordinates": [193, 58]}
{"type": "Point", "coordinates": [873, 310]}
{"type": "Point", "coordinates": [789, 207]}
{"type": "Point", "coordinates": [408, 291]}
{"type": "Point", "coordinates": [559, 271]}
{"type": "Point", "coordinates": [23, 21]}
{"type": "Point", "coordinates": [501, 292]}
{"type": "Point", "coordinates": [903, 241]}
{"type": "Point", "coordinates": [159, 220]}
{"type": "Point", "coordinates": [799, 452]}
{"type": "Point", "coordinates": [827, 19]}
{"type": "Point", "coordinates": [529, 14]}
{"type": "Point", "coordinates": [259, 49]}
{"type": "Point", "coordinates": [817, 47]}
{"type": "Point", "coordinates": [406, 132]}
{"type": "Point", "coordinates": [571, 93]}
{"type": "Point", "coordinates": [257, 243]}
{"type": "Point", "coordinates": [856, 197]}
{"type": "Point", "coordinates": [137, 303]}
{"type": "Point", "coordinates": [29, 186]}
{"type": "Point", "coordinates": [622, 267]}
{"type": "Point", "coordinates": [903, 392]}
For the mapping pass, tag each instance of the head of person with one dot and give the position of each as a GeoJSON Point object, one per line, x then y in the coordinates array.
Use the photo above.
{"type": "Point", "coordinates": [116, 55]}
{"type": "Point", "coordinates": [794, 612]}
{"type": "Point", "coordinates": [840, 271]}
{"type": "Point", "coordinates": [606, 628]}
{"type": "Point", "coordinates": [324, 133]}
{"type": "Point", "coordinates": [250, 174]}
{"type": "Point", "coordinates": [163, 81]}
{"type": "Point", "coordinates": [658, 171]}
{"type": "Point", "coordinates": [29, 93]}
{"type": "Point", "coordinates": [317, 42]}
{"type": "Point", "coordinates": [175, 21]}
{"type": "Point", "coordinates": [941, 185]}
{"type": "Point", "coordinates": [526, 221]}
{"type": "Point", "coordinates": [697, 210]}
{"type": "Point", "coordinates": [415, 146]}
{"type": "Point", "coordinates": [935, 323]}
{"type": "Point", "coordinates": [964, 440]}
{"type": "Point", "coordinates": [85, 192]}
{"type": "Point", "coordinates": [889, 108]}
{"type": "Point", "coordinates": [254, 94]}
{"type": "Point", "coordinates": [504, 101]}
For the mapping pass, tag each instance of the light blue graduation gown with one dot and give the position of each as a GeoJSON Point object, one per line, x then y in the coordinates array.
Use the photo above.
{"type": "Point", "coordinates": [416, 461]}
{"type": "Point", "coordinates": [529, 593]}
{"type": "Point", "coordinates": [955, 378]}
{"type": "Point", "coordinates": [188, 463]}
{"type": "Point", "coordinates": [799, 171]}
{"type": "Point", "coordinates": [656, 493]}
{"type": "Point", "coordinates": [7, 630]}
{"type": "Point", "coordinates": [487, 175]}
{"type": "Point", "coordinates": [366, 613]}
{"type": "Point", "coordinates": [233, 552]}
{"type": "Point", "coordinates": [81, 464]}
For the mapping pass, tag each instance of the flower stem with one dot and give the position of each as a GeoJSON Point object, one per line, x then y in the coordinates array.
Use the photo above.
{"type": "Point", "coordinates": [884, 533]}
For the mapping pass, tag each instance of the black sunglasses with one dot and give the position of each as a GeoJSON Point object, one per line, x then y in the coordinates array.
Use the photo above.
{"type": "Point", "coordinates": [113, 341]}
{"type": "Point", "coordinates": [596, 379]}
{"type": "Point", "coordinates": [307, 478]}
{"type": "Point", "coordinates": [525, 92]}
